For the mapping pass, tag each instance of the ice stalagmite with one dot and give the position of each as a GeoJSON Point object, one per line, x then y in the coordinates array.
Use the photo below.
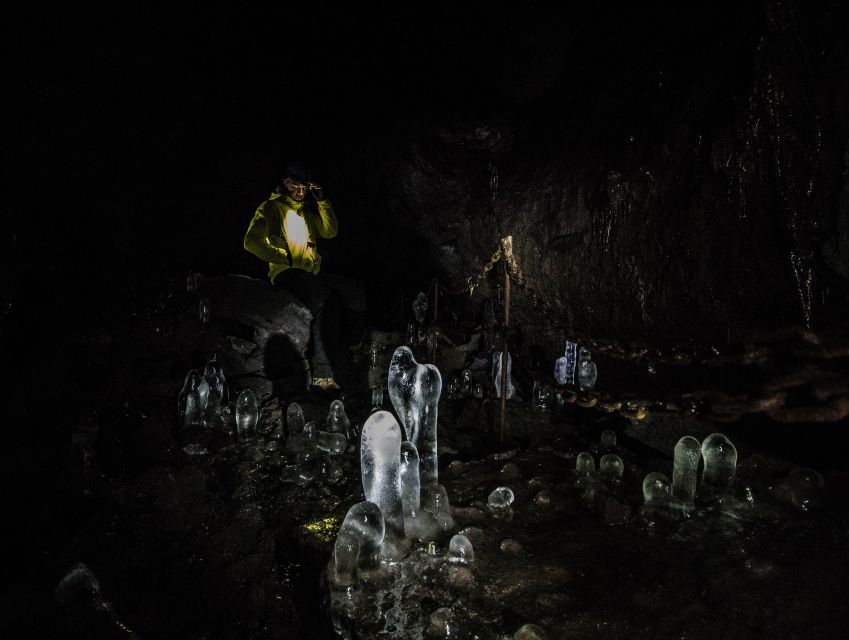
{"type": "Point", "coordinates": [330, 442]}
{"type": "Point", "coordinates": [359, 542]}
{"type": "Point", "coordinates": [247, 415]}
{"type": "Point", "coordinates": [410, 483]}
{"type": "Point", "coordinates": [584, 464]}
{"type": "Point", "coordinates": [720, 458]}
{"type": "Point", "coordinates": [212, 406]}
{"type": "Point", "coordinates": [295, 418]}
{"type": "Point", "coordinates": [377, 397]}
{"type": "Point", "coordinates": [189, 401]}
{"type": "Point", "coordinates": [337, 421]}
{"type": "Point", "coordinates": [656, 488]}
{"type": "Point", "coordinates": [685, 468]}
{"type": "Point", "coordinates": [587, 370]}
{"type": "Point", "coordinates": [414, 390]}
{"type": "Point", "coordinates": [380, 455]}
{"type": "Point", "coordinates": [460, 550]}
{"type": "Point", "coordinates": [566, 365]}
{"type": "Point", "coordinates": [496, 375]}
{"type": "Point", "coordinates": [611, 467]}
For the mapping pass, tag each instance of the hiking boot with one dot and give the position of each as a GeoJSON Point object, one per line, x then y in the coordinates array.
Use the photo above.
{"type": "Point", "coordinates": [324, 384]}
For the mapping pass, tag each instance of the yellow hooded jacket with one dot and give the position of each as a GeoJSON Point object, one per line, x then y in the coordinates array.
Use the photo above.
{"type": "Point", "coordinates": [283, 233]}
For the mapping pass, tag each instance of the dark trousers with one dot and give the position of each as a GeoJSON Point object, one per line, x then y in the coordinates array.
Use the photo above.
{"type": "Point", "coordinates": [317, 292]}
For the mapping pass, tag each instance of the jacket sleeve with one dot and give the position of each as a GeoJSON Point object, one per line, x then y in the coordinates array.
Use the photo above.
{"type": "Point", "coordinates": [325, 221]}
{"type": "Point", "coordinates": [261, 243]}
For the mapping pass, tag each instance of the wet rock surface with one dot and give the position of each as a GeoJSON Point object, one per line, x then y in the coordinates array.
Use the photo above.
{"type": "Point", "coordinates": [192, 534]}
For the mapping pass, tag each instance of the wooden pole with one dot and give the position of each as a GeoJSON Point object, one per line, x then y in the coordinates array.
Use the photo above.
{"type": "Point", "coordinates": [504, 354]}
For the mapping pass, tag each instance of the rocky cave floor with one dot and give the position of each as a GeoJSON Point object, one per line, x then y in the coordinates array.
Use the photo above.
{"type": "Point", "coordinates": [206, 541]}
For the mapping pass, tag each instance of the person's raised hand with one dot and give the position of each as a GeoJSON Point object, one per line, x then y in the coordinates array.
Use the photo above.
{"type": "Point", "coordinates": [316, 191]}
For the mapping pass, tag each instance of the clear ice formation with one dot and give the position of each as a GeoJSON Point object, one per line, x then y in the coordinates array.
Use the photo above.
{"type": "Point", "coordinates": [346, 554]}
{"type": "Point", "coordinates": [377, 397]}
{"type": "Point", "coordinates": [685, 469]}
{"type": "Point", "coordinates": [329, 442]}
{"type": "Point", "coordinates": [359, 542]}
{"type": "Point", "coordinates": [337, 421]}
{"type": "Point", "coordinates": [720, 465]}
{"type": "Point", "coordinates": [295, 418]}
{"type": "Point", "coordinates": [478, 392]}
{"type": "Point", "coordinates": [435, 502]}
{"type": "Point", "coordinates": [214, 395]}
{"type": "Point", "coordinates": [380, 446]}
{"type": "Point", "coordinates": [419, 307]}
{"type": "Point", "coordinates": [332, 470]}
{"type": "Point", "coordinates": [611, 467]}
{"type": "Point", "coordinates": [543, 397]}
{"type": "Point", "coordinates": [496, 374]}
{"type": "Point", "coordinates": [584, 464]}
{"type": "Point", "coordinates": [189, 403]}
{"type": "Point", "coordinates": [310, 431]}
{"type": "Point", "coordinates": [565, 365]}
{"type": "Point", "coordinates": [414, 390]}
{"type": "Point", "coordinates": [410, 483]}
{"type": "Point", "coordinates": [587, 371]}
{"type": "Point", "coordinates": [500, 498]}
{"type": "Point", "coordinates": [460, 550]}
{"type": "Point", "coordinates": [247, 415]}
{"type": "Point", "coordinates": [529, 632]}
{"type": "Point", "coordinates": [466, 382]}
{"type": "Point", "coordinates": [656, 487]}
{"type": "Point", "coordinates": [608, 438]}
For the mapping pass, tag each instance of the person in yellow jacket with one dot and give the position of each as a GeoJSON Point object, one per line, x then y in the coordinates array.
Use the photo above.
{"type": "Point", "coordinates": [283, 233]}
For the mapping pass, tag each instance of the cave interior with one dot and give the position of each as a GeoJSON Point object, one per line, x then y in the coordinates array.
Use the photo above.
{"type": "Point", "coordinates": [665, 186]}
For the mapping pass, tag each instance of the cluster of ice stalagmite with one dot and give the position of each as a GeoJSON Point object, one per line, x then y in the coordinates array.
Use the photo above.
{"type": "Point", "coordinates": [576, 367]}
{"type": "Point", "coordinates": [566, 366]}
{"type": "Point", "coordinates": [202, 397]}
{"type": "Point", "coordinates": [403, 500]}
{"type": "Point", "coordinates": [675, 499]}
{"type": "Point", "coordinates": [611, 468]}
{"type": "Point", "coordinates": [316, 451]}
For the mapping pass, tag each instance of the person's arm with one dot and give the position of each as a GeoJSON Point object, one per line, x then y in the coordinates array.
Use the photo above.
{"type": "Point", "coordinates": [325, 223]}
{"type": "Point", "coordinates": [259, 242]}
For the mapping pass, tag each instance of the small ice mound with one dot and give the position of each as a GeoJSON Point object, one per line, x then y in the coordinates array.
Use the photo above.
{"type": "Point", "coordinates": [656, 487]}
{"type": "Point", "coordinates": [330, 442]}
{"type": "Point", "coordinates": [460, 550]}
{"type": "Point", "coordinates": [295, 418]}
{"type": "Point", "coordinates": [529, 632]}
{"type": "Point", "coordinates": [333, 471]}
{"type": "Point", "coordinates": [608, 438]}
{"type": "Point", "coordinates": [720, 465]}
{"type": "Point", "coordinates": [358, 543]}
{"type": "Point", "coordinates": [611, 467]}
{"type": "Point", "coordinates": [584, 464]}
{"type": "Point", "coordinates": [500, 498]}
{"type": "Point", "coordinates": [659, 502]}
{"type": "Point", "coordinates": [435, 501]}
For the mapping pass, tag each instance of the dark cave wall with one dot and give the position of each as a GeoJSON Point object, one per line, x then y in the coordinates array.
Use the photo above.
{"type": "Point", "coordinates": [722, 210]}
